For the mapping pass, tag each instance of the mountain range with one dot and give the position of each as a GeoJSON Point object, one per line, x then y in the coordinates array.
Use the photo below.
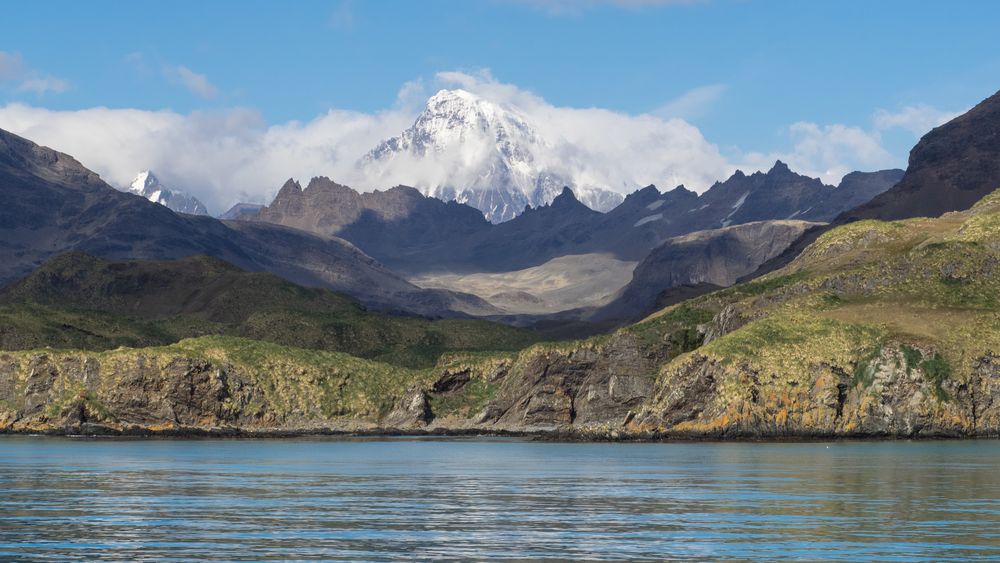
{"type": "Point", "coordinates": [417, 234]}
{"type": "Point", "coordinates": [50, 204]}
{"type": "Point", "coordinates": [400, 249]}
{"type": "Point", "coordinates": [448, 245]}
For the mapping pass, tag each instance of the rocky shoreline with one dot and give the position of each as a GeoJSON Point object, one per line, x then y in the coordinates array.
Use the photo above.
{"type": "Point", "coordinates": [99, 431]}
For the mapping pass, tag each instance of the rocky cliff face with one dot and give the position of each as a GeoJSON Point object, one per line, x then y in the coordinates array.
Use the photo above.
{"type": "Point", "coordinates": [608, 391]}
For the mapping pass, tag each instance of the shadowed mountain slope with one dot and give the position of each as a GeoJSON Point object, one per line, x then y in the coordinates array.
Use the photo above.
{"type": "Point", "coordinates": [79, 301]}
{"type": "Point", "coordinates": [704, 258]}
{"type": "Point", "coordinates": [51, 204]}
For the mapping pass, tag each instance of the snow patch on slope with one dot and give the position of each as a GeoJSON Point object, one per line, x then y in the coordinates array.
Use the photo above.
{"type": "Point", "coordinates": [649, 219]}
{"type": "Point", "coordinates": [736, 207]}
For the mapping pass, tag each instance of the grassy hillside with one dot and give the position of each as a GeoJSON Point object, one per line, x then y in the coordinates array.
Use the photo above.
{"type": "Point", "coordinates": [78, 301]}
{"type": "Point", "coordinates": [886, 310]}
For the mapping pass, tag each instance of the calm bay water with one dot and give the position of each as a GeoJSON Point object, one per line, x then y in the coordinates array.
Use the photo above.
{"type": "Point", "coordinates": [495, 499]}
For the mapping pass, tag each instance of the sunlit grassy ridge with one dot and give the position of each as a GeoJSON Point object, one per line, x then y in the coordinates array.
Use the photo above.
{"type": "Point", "coordinates": [287, 383]}
{"type": "Point", "coordinates": [858, 299]}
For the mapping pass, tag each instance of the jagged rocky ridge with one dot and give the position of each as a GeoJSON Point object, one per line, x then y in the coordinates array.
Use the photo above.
{"type": "Point", "coordinates": [877, 329]}
{"type": "Point", "coordinates": [416, 234]}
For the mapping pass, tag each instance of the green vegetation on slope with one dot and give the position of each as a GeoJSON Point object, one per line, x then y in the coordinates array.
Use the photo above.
{"type": "Point", "coordinates": [78, 301]}
{"type": "Point", "coordinates": [883, 302]}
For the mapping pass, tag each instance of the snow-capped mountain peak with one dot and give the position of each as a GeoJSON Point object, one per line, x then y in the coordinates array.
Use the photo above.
{"type": "Point", "coordinates": [144, 182]}
{"type": "Point", "coordinates": [464, 147]}
{"type": "Point", "coordinates": [147, 185]}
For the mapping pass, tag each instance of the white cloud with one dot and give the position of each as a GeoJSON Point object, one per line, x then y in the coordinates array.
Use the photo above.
{"type": "Point", "coordinates": [603, 148]}
{"type": "Point", "coordinates": [221, 157]}
{"type": "Point", "coordinates": [694, 103]}
{"type": "Point", "coordinates": [232, 155]}
{"type": "Point", "coordinates": [827, 152]}
{"type": "Point", "coordinates": [13, 69]}
{"type": "Point", "coordinates": [227, 156]}
{"type": "Point", "coordinates": [917, 119]}
{"type": "Point", "coordinates": [195, 82]}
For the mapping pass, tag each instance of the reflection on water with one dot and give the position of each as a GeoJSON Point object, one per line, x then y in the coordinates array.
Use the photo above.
{"type": "Point", "coordinates": [494, 499]}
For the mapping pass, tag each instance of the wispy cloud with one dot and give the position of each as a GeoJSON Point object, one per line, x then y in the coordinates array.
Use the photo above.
{"type": "Point", "coordinates": [694, 103]}
{"type": "Point", "coordinates": [342, 17]}
{"type": "Point", "coordinates": [11, 65]}
{"type": "Point", "coordinates": [195, 82]}
{"type": "Point", "coordinates": [14, 70]}
{"type": "Point", "coordinates": [917, 119]}
{"type": "Point", "coordinates": [40, 84]}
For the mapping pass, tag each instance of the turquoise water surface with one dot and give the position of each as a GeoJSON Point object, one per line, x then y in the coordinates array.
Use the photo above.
{"type": "Point", "coordinates": [405, 499]}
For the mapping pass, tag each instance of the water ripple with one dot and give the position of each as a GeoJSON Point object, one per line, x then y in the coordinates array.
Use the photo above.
{"type": "Point", "coordinates": [496, 500]}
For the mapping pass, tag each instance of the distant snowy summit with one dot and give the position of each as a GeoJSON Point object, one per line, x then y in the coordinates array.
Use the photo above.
{"type": "Point", "coordinates": [147, 185]}
{"type": "Point", "coordinates": [474, 151]}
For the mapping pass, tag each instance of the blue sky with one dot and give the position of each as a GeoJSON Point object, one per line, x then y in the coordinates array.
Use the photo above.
{"type": "Point", "coordinates": [741, 71]}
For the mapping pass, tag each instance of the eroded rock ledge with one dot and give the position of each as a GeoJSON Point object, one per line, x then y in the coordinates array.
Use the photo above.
{"type": "Point", "coordinates": [603, 393]}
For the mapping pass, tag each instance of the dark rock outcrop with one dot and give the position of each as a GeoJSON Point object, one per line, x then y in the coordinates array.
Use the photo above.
{"type": "Point", "coordinates": [411, 411]}
{"type": "Point", "coordinates": [582, 387]}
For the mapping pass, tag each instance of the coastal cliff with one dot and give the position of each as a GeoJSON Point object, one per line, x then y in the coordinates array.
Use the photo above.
{"type": "Point", "coordinates": [876, 329]}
